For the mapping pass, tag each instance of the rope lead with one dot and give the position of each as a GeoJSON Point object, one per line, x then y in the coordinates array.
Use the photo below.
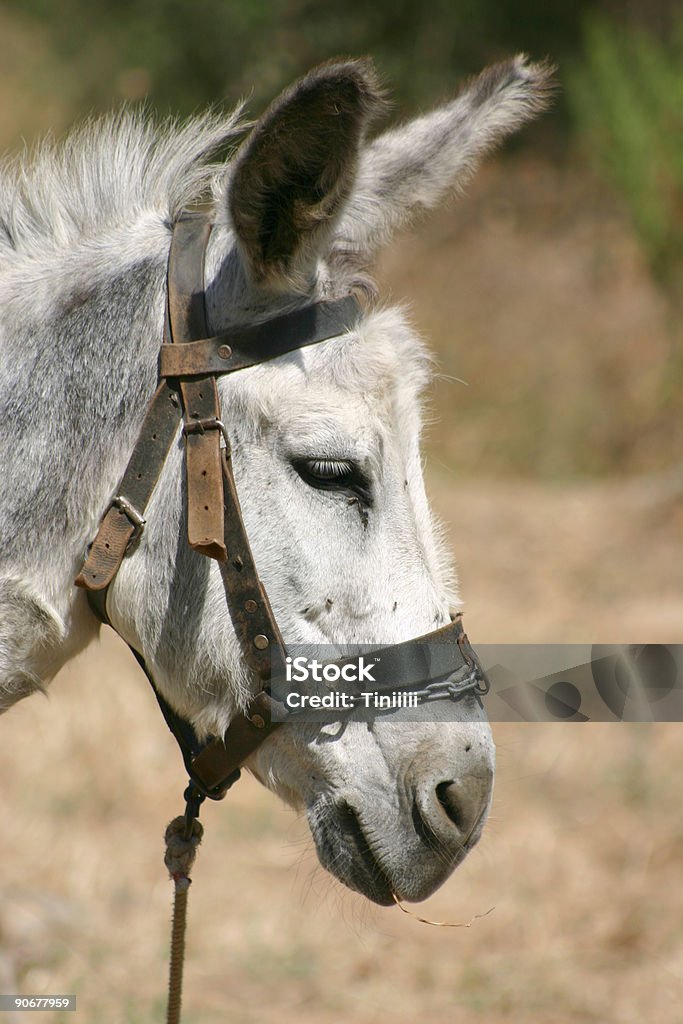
{"type": "Point", "coordinates": [183, 836]}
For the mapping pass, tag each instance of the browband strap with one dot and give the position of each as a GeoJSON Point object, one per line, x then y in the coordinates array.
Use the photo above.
{"type": "Point", "coordinates": [246, 346]}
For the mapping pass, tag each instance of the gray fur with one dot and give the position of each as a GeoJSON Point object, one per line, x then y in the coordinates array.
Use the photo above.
{"type": "Point", "coordinates": [20, 648]}
{"type": "Point", "coordinates": [411, 168]}
{"type": "Point", "coordinates": [106, 174]}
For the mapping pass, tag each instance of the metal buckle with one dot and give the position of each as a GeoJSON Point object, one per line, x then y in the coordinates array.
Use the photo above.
{"type": "Point", "coordinates": [198, 426]}
{"type": "Point", "coordinates": [138, 521]}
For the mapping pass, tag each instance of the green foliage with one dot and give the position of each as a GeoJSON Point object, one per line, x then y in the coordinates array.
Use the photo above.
{"type": "Point", "coordinates": [183, 54]}
{"type": "Point", "coordinates": [627, 99]}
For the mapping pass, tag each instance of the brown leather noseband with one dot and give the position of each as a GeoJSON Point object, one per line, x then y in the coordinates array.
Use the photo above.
{"type": "Point", "coordinates": [189, 364]}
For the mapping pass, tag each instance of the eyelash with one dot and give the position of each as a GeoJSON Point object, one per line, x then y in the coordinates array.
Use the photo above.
{"type": "Point", "coordinates": [334, 474]}
{"type": "Point", "coordinates": [331, 469]}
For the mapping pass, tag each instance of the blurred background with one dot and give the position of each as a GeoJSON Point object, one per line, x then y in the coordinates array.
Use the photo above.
{"type": "Point", "coordinates": [552, 297]}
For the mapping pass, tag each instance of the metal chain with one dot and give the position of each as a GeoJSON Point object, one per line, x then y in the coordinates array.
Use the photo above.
{"type": "Point", "coordinates": [451, 688]}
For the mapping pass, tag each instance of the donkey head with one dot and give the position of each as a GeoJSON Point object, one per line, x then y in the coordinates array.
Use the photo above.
{"type": "Point", "coordinates": [327, 464]}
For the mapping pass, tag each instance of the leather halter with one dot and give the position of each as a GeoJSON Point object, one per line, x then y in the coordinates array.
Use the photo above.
{"type": "Point", "coordinates": [189, 364]}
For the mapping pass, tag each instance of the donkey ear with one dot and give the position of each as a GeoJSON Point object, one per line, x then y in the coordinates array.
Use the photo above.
{"type": "Point", "coordinates": [297, 167]}
{"type": "Point", "coordinates": [412, 168]}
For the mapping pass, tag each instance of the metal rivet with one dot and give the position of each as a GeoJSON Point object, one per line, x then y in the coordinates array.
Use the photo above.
{"type": "Point", "coordinates": [250, 606]}
{"type": "Point", "coordinates": [261, 642]}
{"type": "Point", "coordinates": [257, 721]}
{"type": "Point", "coordinates": [224, 351]}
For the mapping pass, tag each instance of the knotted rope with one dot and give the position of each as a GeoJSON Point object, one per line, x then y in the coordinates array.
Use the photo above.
{"type": "Point", "coordinates": [183, 836]}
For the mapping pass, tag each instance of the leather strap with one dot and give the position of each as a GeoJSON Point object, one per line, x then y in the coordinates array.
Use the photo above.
{"type": "Point", "coordinates": [248, 604]}
{"type": "Point", "coordinates": [217, 766]}
{"type": "Point", "coordinates": [187, 321]}
{"type": "Point", "coordinates": [246, 346]}
{"type": "Point", "coordinates": [185, 294]}
{"type": "Point", "coordinates": [124, 518]}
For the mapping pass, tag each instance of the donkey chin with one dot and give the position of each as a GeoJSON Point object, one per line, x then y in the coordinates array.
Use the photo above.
{"type": "Point", "coordinates": [409, 866]}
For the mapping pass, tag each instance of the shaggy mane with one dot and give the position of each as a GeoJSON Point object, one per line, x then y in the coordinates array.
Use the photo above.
{"type": "Point", "coordinates": [106, 172]}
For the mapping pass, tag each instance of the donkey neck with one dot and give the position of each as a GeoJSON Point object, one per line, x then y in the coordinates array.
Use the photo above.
{"type": "Point", "coordinates": [78, 358]}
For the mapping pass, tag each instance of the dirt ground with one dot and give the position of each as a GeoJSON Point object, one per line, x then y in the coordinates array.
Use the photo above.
{"type": "Point", "coordinates": [581, 859]}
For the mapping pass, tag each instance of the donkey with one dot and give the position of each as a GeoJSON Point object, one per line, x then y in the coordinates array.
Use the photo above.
{"type": "Point", "coordinates": [326, 439]}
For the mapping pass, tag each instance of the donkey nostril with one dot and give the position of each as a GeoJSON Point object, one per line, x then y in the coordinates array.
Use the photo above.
{"type": "Point", "coordinates": [449, 796]}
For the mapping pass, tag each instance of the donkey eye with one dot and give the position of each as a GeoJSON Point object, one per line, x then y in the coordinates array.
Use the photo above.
{"type": "Point", "coordinates": [334, 475]}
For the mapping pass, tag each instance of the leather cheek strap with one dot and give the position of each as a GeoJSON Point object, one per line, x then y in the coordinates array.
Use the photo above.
{"type": "Point", "coordinates": [124, 519]}
{"type": "Point", "coordinates": [201, 409]}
